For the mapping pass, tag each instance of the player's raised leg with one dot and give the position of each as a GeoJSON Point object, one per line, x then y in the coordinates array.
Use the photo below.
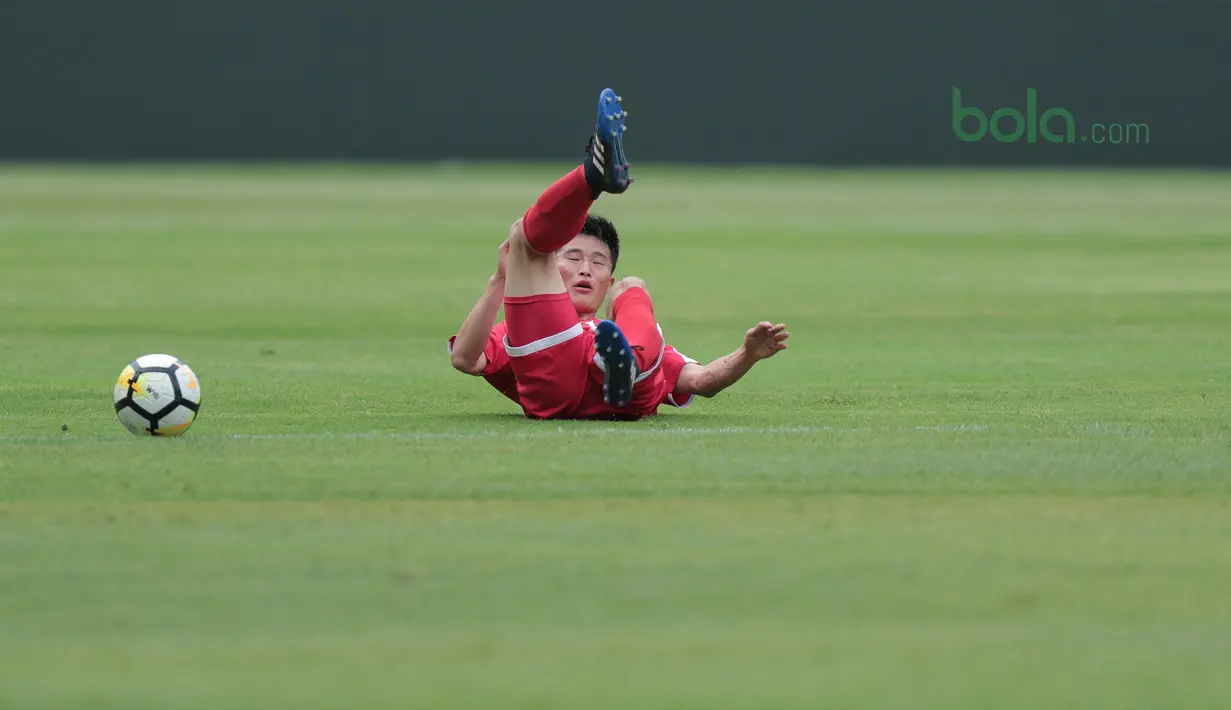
{"type": "Point", "coordinates": [560, 212]}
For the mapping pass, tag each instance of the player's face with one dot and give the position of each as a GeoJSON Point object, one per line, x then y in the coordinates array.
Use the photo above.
{"type": "Point", "coordinates": [585, 266]}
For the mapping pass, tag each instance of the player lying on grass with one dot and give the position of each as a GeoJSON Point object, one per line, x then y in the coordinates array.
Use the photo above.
{"type": "Point", "coordinates": [551, 355]}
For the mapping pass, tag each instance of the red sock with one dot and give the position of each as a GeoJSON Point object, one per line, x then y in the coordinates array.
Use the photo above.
{"type": "Point", "coordinates": [560, 212]}
{"type": "Point", "coordinates": [633, 311]}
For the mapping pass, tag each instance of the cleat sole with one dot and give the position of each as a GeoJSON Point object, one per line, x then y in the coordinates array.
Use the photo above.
{"type": "Point", "coordinates": [619, 364]}
{"type": "Point", "coordinates": [609, 132]}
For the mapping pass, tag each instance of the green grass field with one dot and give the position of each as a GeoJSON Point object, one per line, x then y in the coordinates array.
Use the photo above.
{"type": "Point", "coordinates": [992, 470]}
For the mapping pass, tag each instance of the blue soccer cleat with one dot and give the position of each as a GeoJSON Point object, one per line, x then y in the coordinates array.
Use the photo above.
{"type": "Point", "coordinates": [619, 363]}
{"type": "Point", "coordinates": [606, 164]}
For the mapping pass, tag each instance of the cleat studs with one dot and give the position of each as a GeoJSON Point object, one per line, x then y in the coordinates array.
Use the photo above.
{"type": "Point", "coordinates": [608, 99]}
{"type": "Point", "coordinates": [613, 134]}
{"type": "Point", "coordinates": [621, 365]}
{"type": "Point", "coordinates": [618, 98]}
{"type": "Point", "coordinates": [626, 114]}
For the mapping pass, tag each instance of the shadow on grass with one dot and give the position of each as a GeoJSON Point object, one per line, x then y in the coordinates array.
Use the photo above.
{"type": "Point", "coordinates": [672, 419]}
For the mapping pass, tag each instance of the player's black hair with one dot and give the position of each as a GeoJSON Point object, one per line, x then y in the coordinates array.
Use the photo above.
{"type": "Point", "coordinates": [602, 228]}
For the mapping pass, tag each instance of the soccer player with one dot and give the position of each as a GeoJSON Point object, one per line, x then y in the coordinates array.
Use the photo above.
{"type": "Point", "coordinates": [551, 354]}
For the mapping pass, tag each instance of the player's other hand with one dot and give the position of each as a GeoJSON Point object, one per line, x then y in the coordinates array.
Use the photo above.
{"type": "Point", "coordinates": [765, 340]}
{"type": "Point", "coordinates": [502, 260]}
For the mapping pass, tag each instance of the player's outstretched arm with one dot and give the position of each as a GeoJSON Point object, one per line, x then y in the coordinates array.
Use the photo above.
{"type": "Point", "coordinates": [467, 353]}
{"type": "Point", "coordinates": [761, 341]}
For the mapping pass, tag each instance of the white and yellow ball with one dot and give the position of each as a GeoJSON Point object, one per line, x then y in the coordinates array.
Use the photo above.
{"type": "Point", "coordinates": [157, 395]}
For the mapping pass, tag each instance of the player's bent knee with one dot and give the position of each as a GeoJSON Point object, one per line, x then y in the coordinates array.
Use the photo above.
{"type": "Point", "coordinates": [520, 248]}
{"type": "Point", "coordinates": [624, 284]}
{"type": "Point", "coordinates": [529, 272]}
{"type": "Point", "coordinates": [517, 235]}
{"type": "Point", "coordinates": [633, 282]}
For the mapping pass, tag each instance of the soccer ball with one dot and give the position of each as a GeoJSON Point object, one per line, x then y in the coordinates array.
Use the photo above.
{"type": "Point", "coordinates": [157, 395]}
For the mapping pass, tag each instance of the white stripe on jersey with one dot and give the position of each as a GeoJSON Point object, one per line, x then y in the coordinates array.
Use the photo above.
{"type": "Point", "coordinates": [542, 343]}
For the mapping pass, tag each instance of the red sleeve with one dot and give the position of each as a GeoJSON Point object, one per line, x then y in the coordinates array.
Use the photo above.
{"type": "Point", "coordinates": [499, 369]}
{"type": "Point", "coordinates": [673, 363]}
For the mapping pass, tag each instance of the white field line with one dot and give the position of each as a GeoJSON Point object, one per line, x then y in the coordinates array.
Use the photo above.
{"type": "Point", "coordinates": [540, 431]}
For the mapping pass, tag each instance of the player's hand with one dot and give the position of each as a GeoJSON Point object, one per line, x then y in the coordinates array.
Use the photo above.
{"type": "Point", "coordinates": [765, 340]}
{"type": "Point", "coordinates": [502, 260]}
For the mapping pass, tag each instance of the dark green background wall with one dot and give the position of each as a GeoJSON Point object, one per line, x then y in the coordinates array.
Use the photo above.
{"type": "Point", "coordinates": [840, 83]}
